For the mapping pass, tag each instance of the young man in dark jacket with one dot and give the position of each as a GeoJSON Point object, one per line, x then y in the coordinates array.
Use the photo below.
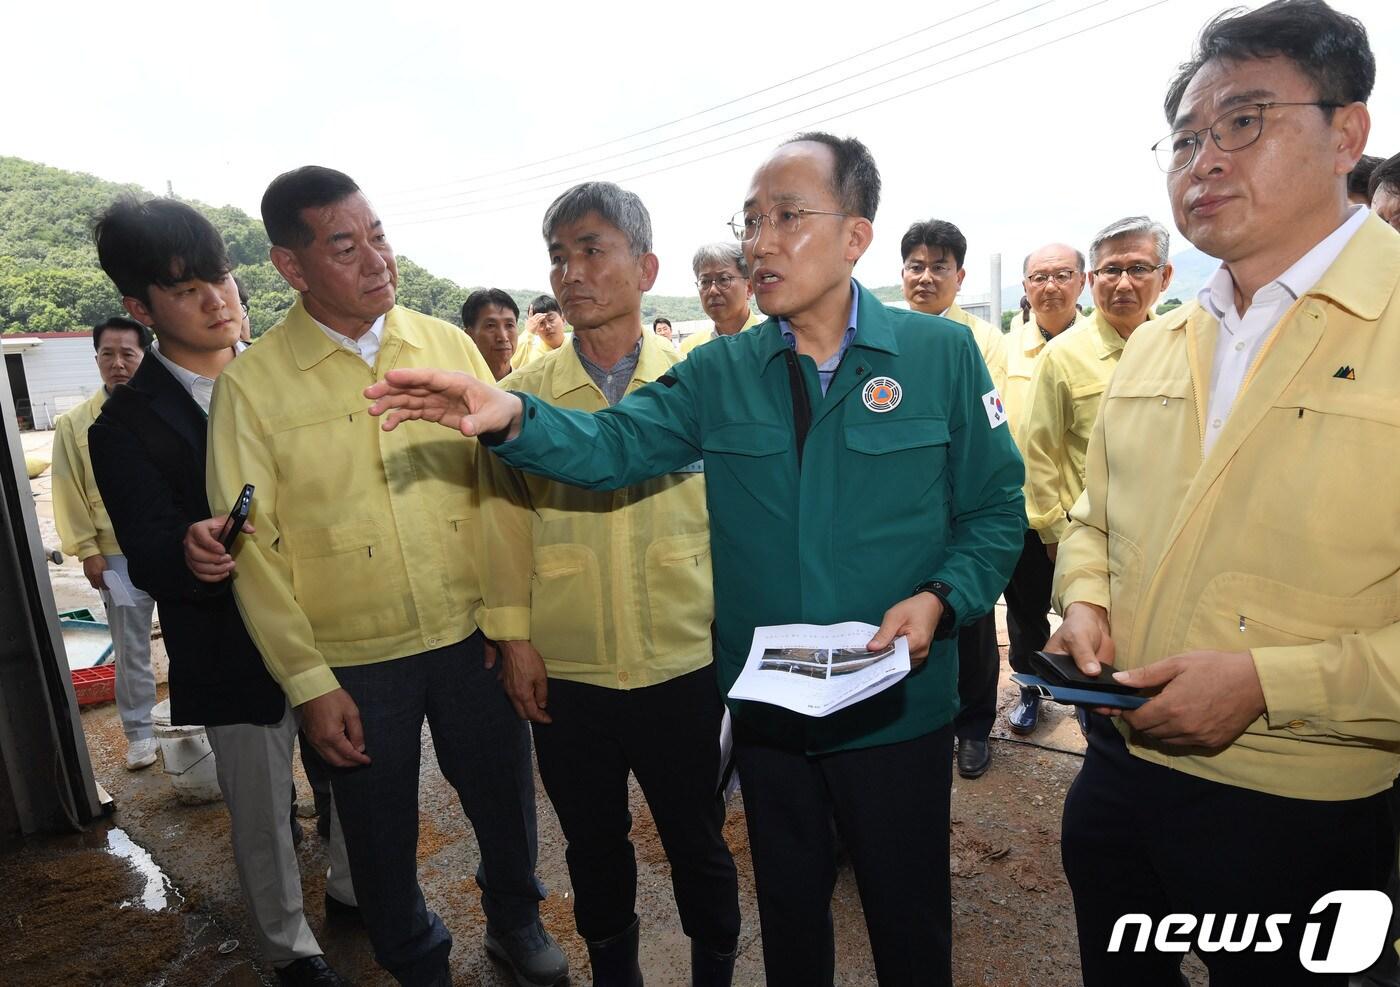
{"type": "Point", "coordinates": [148, 452]}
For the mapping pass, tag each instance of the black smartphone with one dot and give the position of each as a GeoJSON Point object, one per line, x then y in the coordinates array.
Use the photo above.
{"type": "Point", "coordinates": [1061, 670]}
{"type": "Point", "coordinates": [233, 527]}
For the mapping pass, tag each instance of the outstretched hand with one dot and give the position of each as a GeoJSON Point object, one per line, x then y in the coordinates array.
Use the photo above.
{"type": "Point", "coordinates": [455, 400]}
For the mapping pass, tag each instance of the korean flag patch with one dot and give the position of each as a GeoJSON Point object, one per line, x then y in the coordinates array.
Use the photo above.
{"type": "Point", "coordinates": [996, 411]}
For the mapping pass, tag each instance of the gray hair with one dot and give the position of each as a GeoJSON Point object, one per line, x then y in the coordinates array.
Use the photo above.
{"type": "Point", "coordinates": [721, 253]}
{"type": "Point", "coordinates": [1078, 259]}
{"type": "Point", "coordinates": [618, 207]}
{"type": "Point", "coordinates": [1133, 226]}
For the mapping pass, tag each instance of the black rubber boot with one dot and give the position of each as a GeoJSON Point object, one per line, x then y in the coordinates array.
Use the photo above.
{"type": "Point", "coordinates": [709, 968]}
{"type": "Point", "coordinates": [614, 960]}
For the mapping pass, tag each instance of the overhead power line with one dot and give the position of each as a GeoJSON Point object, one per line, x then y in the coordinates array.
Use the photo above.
{"type": "Point", "coordinates": [533, 194]}
{"type": "Point", "coordinates": [699, 113]}
{"type": "Point", "coordinates": [493, 187]}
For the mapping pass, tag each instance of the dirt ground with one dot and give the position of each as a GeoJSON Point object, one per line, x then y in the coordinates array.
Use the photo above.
{"type": "Point", "coordinates": [63, 918]}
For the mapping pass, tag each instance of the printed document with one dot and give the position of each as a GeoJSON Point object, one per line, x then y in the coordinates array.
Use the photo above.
{"type": "Point", "coordinates": [816, 670]}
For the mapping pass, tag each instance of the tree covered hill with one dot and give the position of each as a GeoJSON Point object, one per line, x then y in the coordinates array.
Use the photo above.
{"type": "Point", "coordinates": [50, 281]}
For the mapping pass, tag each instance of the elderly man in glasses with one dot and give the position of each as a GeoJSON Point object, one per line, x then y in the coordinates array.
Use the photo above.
{"type": "Point", "coordinates": [1053, 279]}
{"type": "Point", "coordinates": [858, 467]}
{"type": "Point", "coordinates": [1235, 552]}
{"type": "Point", "coordinates": [1130, 272]}
{"type": "Point", "coordinates": [722, 275]}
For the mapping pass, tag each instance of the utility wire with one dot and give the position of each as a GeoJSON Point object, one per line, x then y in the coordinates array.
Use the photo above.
{"type": "Point", "coordinates": [710, 109]}
{"type": "Point", "coordinates": [496, 187]}
{"type": "Point", "coordinates": [533, 193]}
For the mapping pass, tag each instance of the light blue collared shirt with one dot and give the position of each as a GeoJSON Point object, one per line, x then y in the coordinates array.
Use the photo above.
{"type": "Point", "coordinates": [827, 370]}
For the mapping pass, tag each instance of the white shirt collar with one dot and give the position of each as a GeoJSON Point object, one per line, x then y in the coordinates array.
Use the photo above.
{"type": "Point", "coordinates": [366, 347]}
{"type": "Point", "coordinates": [1217, 295]}
{"type": "Point", "coordinates": [197, 386]}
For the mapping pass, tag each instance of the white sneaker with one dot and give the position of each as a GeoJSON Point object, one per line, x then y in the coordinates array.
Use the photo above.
{"type": "Point", "coordinates": [140, 754]}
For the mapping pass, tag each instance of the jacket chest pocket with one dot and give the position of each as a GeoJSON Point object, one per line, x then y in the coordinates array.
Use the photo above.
{"type": "Point", "coordinates": [1337, 453]}
{"type": "Point", "coordinates": [1241, 611]}
{"type": "Point", "coordinates": [679, 592]}
{"type": "Point", "coordinates": [912, 452]}
{"type": "Point", "coordinates": [1086, 398]}
{"type": "Point", "coordinates": [461, 547]}
{"type": "Point", "coordinates": [748, 461]}
{"type": "Point", "coordinates": [566, 597]}
{"type": "Point", "coordinates": [347, 582]}
{"type": "Point", "coordinates": [1148, 422]}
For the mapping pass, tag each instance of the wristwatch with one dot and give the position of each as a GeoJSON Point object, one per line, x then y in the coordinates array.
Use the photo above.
{"type": "Point", "coordinates": [948, 622]}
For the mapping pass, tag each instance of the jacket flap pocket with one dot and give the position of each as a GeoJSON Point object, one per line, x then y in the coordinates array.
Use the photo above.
{"type": "Point", "coordinates": [554, 561]}
{"type": "Point", "coordinates": [747, 439]}
{"type": "Point", "coordinates": [353, 536]}
{"type": "Point", "coordinates": [878, 438]}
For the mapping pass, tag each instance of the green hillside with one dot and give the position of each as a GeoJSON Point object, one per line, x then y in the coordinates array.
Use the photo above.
{"type": "Point", "coordinates": [50, 281]}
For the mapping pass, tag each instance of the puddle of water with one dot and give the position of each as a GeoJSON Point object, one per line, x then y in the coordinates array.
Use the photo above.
{"type": "Point", "coordinates": [158, 890]}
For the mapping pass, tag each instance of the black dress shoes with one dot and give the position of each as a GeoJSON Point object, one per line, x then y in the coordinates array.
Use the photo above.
{"type": "Point", "coordinates": [312, 971]}
{"type": "Point", "coordinates": [974, 757]}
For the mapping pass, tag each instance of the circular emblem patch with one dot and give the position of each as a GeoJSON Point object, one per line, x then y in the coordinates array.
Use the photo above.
{"type": "Point", "coordinates": [882, 394]}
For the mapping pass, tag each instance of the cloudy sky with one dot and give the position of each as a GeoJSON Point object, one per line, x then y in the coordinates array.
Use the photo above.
{"type": "Point", "coordinates": [1023, 121]}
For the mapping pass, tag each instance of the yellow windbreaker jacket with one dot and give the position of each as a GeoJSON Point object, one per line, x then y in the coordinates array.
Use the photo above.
{"type": "Point", "coordinates": [83, 526]}
{"type": "Point", "coordinates": [1284, 541]}
{"type": "Point", "coordinates": [1061, 407]}
{"type": "Point", "coordinates": [367, 541]}
{"type": "Point", "coordinates": [991, 343]}
{"type": "Point", "coordinates": [613, 588]}
{"type": "Point", "coordinates": [1023, 348]}
{"type": "Point", "coordinates": [698, 339]}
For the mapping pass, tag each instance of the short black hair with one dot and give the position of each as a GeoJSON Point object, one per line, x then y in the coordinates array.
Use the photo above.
{"type": "Point", "coordinates": [544, 303]}
{"type": "Point", "coordinates": [307, 187]}
{"type": "Point", "coordinates": [1327, 46]}
{"type": "Point", "coordinates": [1386, 174]}
{"type": "Point", "coordinates": [157, 242]}
{"type": "Point", "coordinates": [855, 180]}
{"type": "Point", "coordinates": [479, 299]}
{"type": "Point", "coordinates": [242, 291]}
{"type": "Point", "coordinates": [935, 234]}
{"type": "Point", "coordinates": [1359, 180]}
{"type": "Point", "coordinates": [660, 319]}
{"type": "Point", "coordinates": [119, 324]}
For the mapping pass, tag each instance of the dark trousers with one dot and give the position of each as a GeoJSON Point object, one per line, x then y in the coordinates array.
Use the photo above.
{"type": "Point", "coordinates": [891, 806]}
{"type": "Point", "coordinates": [1028, 601]}
{"type": "Point", "coordinates": [668, 736]}
{"type": "Point", "coordinates": [483, 749]}
{"type": "Point", "coordinates": [979, 664]}
{"type": "Point", "coordinates": [1142, 838]}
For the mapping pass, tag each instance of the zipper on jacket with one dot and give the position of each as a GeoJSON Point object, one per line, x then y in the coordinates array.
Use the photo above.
{"type": "Point", "coordinates": [801, 403]}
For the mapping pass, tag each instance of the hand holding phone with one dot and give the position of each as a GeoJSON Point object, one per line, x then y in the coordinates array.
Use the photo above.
{"type": "Point", "coordinates": [237, 517]}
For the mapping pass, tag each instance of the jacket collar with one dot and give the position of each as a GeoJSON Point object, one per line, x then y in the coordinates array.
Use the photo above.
{"type": "Point", "coordinates": [310, 345]}
{"type": "Point", "coordinates": [1107, 342]}
{"type": "Point", "coordinates": [569, 374]}
{"type": "Point", "coordinates": [873, 328]}
{"type": "Point", "coordinates": [169, 399]}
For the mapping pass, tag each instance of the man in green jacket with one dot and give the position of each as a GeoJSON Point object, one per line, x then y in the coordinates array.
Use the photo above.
{"type": "Point", "coordinates": [859, 467]}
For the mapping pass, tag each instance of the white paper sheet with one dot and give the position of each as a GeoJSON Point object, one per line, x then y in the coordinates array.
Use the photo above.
{"type": "Point", "coordinates": [817, 670]}
{"type": "Point", "coordinates": [118, 589]}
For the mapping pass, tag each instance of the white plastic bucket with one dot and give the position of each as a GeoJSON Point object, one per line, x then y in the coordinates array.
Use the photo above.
{"type": "Point", "coordinates": [189, 760]}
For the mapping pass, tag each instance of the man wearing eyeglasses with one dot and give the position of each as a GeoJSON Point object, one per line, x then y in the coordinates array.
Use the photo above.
{"type": "Point", "coordinates": [858, 467]}
{"type": "Point", "coordinates": [1236, 550]}
{"type": "Point", "coordinates": [1053, 279]}
{"type": "Point", "coordinates": [722, 276]}
{"type": "Point", "coordinates": [1130, 272]}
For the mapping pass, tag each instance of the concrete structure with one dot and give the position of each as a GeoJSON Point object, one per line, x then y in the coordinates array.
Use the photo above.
{"type": "Point", "coordinates": [49, 373]}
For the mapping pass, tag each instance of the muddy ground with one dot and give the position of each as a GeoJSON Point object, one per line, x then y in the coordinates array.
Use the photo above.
{"type": "Point", "coordinates": [71, 911]}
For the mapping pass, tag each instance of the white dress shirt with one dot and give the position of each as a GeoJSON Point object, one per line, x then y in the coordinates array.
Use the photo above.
{"type": "Point", "coordinates": [366, 347]}
{"type": "Point", "coordinates": [1243, 336]}
{"type": "Point", "coordinates": [200, 388]}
